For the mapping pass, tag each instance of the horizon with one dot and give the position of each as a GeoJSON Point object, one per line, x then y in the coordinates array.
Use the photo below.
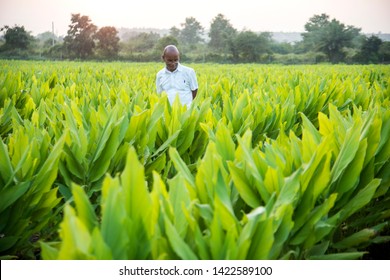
{"type": "Point", "coordinates": [371, 16]}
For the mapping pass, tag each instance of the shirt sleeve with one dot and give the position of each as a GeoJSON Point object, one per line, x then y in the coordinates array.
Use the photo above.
{"type": "Point", "coordinates": [193, 80]}
{"type": "Point", "coordinates": [158, 84]}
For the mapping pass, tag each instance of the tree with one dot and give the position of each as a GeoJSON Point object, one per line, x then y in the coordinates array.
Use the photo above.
{"type": "Point", "coordinates": [329, 37]}
{"type": "Point", "coordinates": [16, 38]}
{"type": "Point", "coordinates": [250, 46]}
{"type": "Point", "coordinates": [369, 51]}
{"type": "Point", "coordinates": [191, 33]}
{"type": "Point", "coordinates": [282, 48]}
{"type": "Point", "coordinates": [221, 34]}
{"type": "Point", "coordinates": [165, 41]}
{"type": "Point", "coordinates": [108, 42]}
{"type": "Point", "coordinates": [143, 42]}
{"type": "Point", "coordinates": [384, 52]}
{"type": "Point", "coordinates": [79, 40]}
{"type": "Point", "coordinates": [174, 32]}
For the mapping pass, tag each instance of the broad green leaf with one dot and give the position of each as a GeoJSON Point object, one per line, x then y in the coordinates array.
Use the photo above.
{"type": "Point", "coordinates": [113, 218]}
{"type": "Point", "coordinates": [9, 195]}
{"type": "Point", "coordinates": [181, 166]}
{"type": "Point", "coordinates": [178, 244]}
{"type": "Point", "coordinates": [48, 252]}
{"type": "Point", "coordinates": [241, 183]}
{"type": "Point", "coordinates": [5, 163]}
{"type": "Point", "coordinates": [84, 208]}
{"type": "Point", "coordinates": [179, 198]}
{"type": "Point", "coordinates": [362, 198]}
{"type": "Point", "coordinates": [137, 199]}
{"type": "Point", "coordinates": [355, 239]}
{"type": "Point", "coordinates": [262, 240]}
{"type": "Point", "coordinates": [76, 240]}
{"type": "Point", "coordinates": [348, 151]}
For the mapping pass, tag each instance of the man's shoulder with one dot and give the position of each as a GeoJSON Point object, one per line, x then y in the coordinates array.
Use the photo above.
{"type": "Point", "coordinates": [186, 68]}
{"type": "Point", "coordinates": [161, 72]}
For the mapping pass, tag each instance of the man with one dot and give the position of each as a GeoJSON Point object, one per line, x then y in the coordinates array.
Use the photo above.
{"type": "Point", "coordinates": [176, 79]}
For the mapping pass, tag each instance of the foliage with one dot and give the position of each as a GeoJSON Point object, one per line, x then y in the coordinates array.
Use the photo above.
{"type": "Point", "coordinates": [329, 37]}
{"type": "Point", "coordinates": [250, 46]}
{"type": "Point", "coordinates": [16, 37]}
{"type": "Point", "coordinates": [270, 162]}
{"type": "Point", "coordinates": [325, 41]}
{"type": "Point", "coordinates": [369, 51]}
{"type": "Point", "coordinates": [79, 41]}
{"type": "Point", "coordinates": [384, 52]}
{"type": "Point", "coordinates": [108, 42]}
{"type": "Point", "coordinates": [222, 34]}
{"type": "Point", "coordinates": [191, 33]}
{"type": "Point", "coordinates": [165, 41]}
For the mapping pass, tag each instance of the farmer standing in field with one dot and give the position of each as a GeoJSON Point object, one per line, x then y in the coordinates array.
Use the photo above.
{"type": "Point", "coordinates": [176, 79]}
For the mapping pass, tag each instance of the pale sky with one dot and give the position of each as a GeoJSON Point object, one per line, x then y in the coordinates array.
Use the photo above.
{"type": "Point", "coordinates": [372, 16]}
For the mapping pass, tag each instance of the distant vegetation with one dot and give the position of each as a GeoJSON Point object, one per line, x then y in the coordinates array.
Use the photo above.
{"type": "Point", "coordinates": [325, 40]}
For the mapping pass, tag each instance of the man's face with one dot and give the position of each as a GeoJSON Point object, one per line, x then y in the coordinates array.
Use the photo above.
{"type": "Point", "coordinates": [171, 59]}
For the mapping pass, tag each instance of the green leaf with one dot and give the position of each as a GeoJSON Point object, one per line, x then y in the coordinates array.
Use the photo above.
{"type": "Point", "coordinates": [356, 239]}
{"type": "Point", "coordinates": [9, 195]}
{"type": "Point", "coordinates": [76, 239]}
{"type": "Point", "coordinates": [181, 167]}
{"type": "Point", "coordinates": [262, 240]}
{"type": "Point", "coordinates": [179, 245]}
{"type": "Point", "coordinates": [104, 135]}
{"type": "Point", "coordinates": [179, 198]}
{"type": "Point", "coordinates": [242, 185]}
{"type": "Point", "coordinates": [84, 208]}
{"type": "Point", "coordinates": [350, 176]}
{"type": "Point", "coordinates": [362, 198]}
{"type": "Point", "coordinates": [49, 252]}
{"type": "Point", "coordinates": [166, 144]}
{"type": "Point", "coordinates": [137, 199]}
{"type": "Point", "coordinates": [99, 167]}
{"type": "Point", "coordinates": [223, 203]}
{"type": "Point", "coordinates": [5, 164]}
{"type": "Point", "coordinates": [348, 151]}
{"type": "Point", "coordinates": [101, 250]}
{"type": "Point", "coordinates": [113, 218]}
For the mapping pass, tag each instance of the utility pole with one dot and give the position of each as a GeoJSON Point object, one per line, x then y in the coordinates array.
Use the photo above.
{"type": "Point", "coordinates": [52, 31]}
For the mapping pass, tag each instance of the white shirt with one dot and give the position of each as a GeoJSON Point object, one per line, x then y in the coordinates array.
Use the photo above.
{"type": "Point", "coordinates": [180, 82]}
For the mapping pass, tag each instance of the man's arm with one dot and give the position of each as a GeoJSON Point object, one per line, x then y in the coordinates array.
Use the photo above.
{"type": "Point", "coordinates": [194, 92]}
{"type": "Point", "coordinates": [158, 84]}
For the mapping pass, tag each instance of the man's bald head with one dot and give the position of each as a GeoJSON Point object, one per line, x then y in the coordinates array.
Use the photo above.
{"type": "Point", "coordinates": [171, 49]}
{"type": "Point", "coordinates": [171, 57]}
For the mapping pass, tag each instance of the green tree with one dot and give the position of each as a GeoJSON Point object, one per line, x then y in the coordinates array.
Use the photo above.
{"type": "Point", "coordinates": [222, 34]}
{"type": "Point", "coordinates": [251, 46]}
{"type": "Point", "coordinates": [369, 51]}
{"type": "Point", "coordinates": [16, 38]}
{"type": "Point", "coordinates": [165, 41]}
{"type": "Point", "coordinates": [174, 32]}
{"type": "Point", "coordinates": [108, 42]}
{"type": "Point", "coordinates": [142, 42]}
{"type": "Point", "coordinates": [79, 41]}
{"type": "Point", "coordinates": [191, 33]}
{"type": "Point", "coordinates": [282, 48]}
{"type": "Point", "coordinates": [329, 37]}
{"type": "Point", "coordinates": [384, 52]}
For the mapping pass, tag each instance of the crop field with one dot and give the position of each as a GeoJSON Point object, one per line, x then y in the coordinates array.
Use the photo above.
{"type": "Point", "coordinates": [269, 162]}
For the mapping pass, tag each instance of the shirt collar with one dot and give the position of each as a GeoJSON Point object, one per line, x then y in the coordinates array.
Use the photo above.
{"type": "Point", "coordinates": [178, 69]}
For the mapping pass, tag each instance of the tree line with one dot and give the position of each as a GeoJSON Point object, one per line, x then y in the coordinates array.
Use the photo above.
{"type": "Point", "coordinates": [324, 40]}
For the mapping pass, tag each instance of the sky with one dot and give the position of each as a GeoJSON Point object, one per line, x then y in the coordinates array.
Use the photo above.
{"type": "Point", "coordinates": [37, 16]}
